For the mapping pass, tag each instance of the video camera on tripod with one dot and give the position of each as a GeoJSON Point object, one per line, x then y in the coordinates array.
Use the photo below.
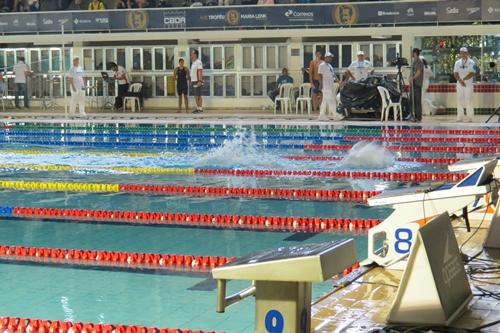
{"type": "Point", "coordinates": [399, 62]}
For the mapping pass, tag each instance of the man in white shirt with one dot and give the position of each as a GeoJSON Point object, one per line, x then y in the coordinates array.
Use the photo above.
{"type": "Point", "coordinates": [21, 71]}
{"type": "Point", "coordinates": [120, 74]}
{"type": "Point", "coordinates": [327, 83]}
{"type": "Point", "coordinates": [196, 74]}
{"type": "Point", "coordinates": [464, 72]}
{"type": "Point", "coordinates": [359, 69]}
{"type": "Point", "coordinates": [77, 87]}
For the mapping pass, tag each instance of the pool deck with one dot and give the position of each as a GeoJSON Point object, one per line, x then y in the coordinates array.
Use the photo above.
{"type": "Point", "coordinates": [228, 117]}
{"type": "Point", "coordinates": [365, 303]}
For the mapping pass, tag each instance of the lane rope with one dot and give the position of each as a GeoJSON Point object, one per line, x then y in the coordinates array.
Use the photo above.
{"type": "Point", "coordinates": [199, 191]}
{"type": "Point", "coordinates": [447, 139]}
{"type": "Point", "coordinates": [110, 259]}
{"type": "Point", "coordinates": [247, 222]}
{"type": "Point", "coordinates": [30, 325]}
{"type": "Point", "coordinates": [206, 146]}
{"type": "Point", "coordinates": [255, 128]}
{"type": "Point", "coordinates": [425, 160]}
{"type": "Point", "coordinates": [383, 175]}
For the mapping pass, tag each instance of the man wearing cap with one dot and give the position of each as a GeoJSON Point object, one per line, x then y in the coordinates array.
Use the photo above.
{"type": "Point", "coordinates": [464, 72]}
{"type": "Point", "coordinates": [359, 69]}
{"type": "Point", "coordinates": [327, 80]}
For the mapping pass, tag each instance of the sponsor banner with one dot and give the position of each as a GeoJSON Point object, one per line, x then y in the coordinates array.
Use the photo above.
{"type": "Point", "coordinates": [490, 10]}
{"type": "Point", "coordinates": [174, 19]}
{"type": "Point", "coordinates": [416, 12]}
{"type": "Point", "coordinates": [459, 10]}
{"type": "Point", "coordinates": [91, 21]}
{"type": "Point", "coordinates": [18, 23]}
{"type": "Point", "coordinates": [341, 14]}
{"type": "Point", "coordinates": [251, 16]}
{"type": "Point", "coordinates": [53, 22]}
{"type": "Point", "coordinates": [129, 20]}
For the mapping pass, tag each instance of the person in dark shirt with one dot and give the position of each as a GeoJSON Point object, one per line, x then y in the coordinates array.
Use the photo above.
{"type": "Point", "coordinates": [416, 80]}
{"type": "Point", "coordinates": [181, 76]}
{"type": "Point", "coordinates": [283, 78]}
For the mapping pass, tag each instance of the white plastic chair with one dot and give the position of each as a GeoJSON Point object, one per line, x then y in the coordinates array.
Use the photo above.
{"type": "Point", "coordinates": [304, 98]}
{"type": "Point", "coordinates": [285, 98]}
{"type": "Point", "coordinates": [134, 88]}
{"type": "Point", "coordinates": [388, 104]}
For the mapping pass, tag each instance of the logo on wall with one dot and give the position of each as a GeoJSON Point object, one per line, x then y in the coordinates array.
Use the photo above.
{"type": "Point", "coordinates": [345, 14]}
{"type": "Point", "coordinates": [137, 20]}
{"type": "Point", "coordinates": [233, 17]}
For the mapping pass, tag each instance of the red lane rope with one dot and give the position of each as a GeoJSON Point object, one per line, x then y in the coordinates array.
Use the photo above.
{"type": "Point", "coordinates": [132, 260]}
{"type": "Point", "coordinates": [447, 139]}
{"type": "Point", "coordinates": [425, 160]}
{"type": "Point", "coordinates": [30, 325]}
{"type": "Point", "coordinates": [431, 149]}
{"type": "Point", "coordinates": [267, 223]}
{"type": "Point", "coordinates": [268, 193]}
{"type": "Point", "coordinates": [441, 131]}
{"type": "Point", "coordinates": [390, 176]}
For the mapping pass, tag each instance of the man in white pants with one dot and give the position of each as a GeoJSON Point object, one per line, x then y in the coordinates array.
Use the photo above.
{"type": "Point", "coordinates": [77, 87]}
{"type": "Point", "coordinates": [464, 73]}
{"type": "Point", "coordinates": [326, 83]}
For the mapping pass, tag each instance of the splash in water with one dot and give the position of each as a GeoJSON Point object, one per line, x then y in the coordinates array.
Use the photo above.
{"type": "Point", "coordinates": [368, 155]}
{"type": "Point", "coordinates": [240, 152]}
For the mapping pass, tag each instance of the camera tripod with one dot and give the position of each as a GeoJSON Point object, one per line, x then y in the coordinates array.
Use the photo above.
{"type": "Point", "coordinates": [401, 86]}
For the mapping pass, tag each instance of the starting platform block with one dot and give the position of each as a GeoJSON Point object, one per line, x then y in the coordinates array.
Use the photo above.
{"type": "Point", "coordinates": [391, 241]}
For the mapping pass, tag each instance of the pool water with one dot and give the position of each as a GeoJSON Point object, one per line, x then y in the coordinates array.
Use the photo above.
{"type": "Point", "coordinates": [184, 300]}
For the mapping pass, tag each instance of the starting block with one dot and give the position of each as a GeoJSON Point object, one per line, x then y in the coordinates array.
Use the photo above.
{"type": "Point", "coordinates": [391, 241]}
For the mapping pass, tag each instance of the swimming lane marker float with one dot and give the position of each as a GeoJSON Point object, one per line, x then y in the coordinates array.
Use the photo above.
{"type": "Point", "coordinates": [110, 259]}
{"type": "Point", "coordinates": [252, 222]}
{"type": "Point", "coordinates": [199, 191]}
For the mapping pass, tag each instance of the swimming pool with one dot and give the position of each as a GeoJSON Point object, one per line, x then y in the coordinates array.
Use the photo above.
{"type": "Point", "coordinates": [185, 299]}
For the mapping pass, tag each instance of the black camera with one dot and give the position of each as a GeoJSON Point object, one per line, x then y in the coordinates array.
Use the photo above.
{"type": "Point", "coordinates": [400, 62]}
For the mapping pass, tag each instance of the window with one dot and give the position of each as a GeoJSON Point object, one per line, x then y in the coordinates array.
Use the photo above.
{"type": "Point", "coordinates": [87, 60]}
{"type": "Point", "coordinates": [390, 53]}
{"type": "Point", "coordinates": [334, 49]}
{"type": "Point", "coordinates": [271, 56]}
{"type": "Point", "coordinates": [218, 58]}
{"type": "Point", "coordinates": [219, 85]}
{"type": "Point", "coordinates": [247, 57]}
{"type": "Point", "coordinates": [159, 86]}
{"type": "Point", "coordinates": [45, 61]}
{"type": "Point", "coordinates": [159, 58]}
{"type": "Point", "coordinates": [229, 57]}
{"type": "Point", "coordinates": [257, 86]}
{"type": "Point", "coordinates": [308, 55]}
{"type": "Point", "coordinates": [147, 59]}
{"type": "Point", "coordinates": [35, 61]}
{"type": "Point", "coordinates": [98, 60]}
{"type": "Point", "coordinates": [346, 55]}
{"type": "Point", "coordinates": [205, 57]}
{"type": "Point", "coordinates": [120, 57]}
{"type": "Point", "coordinates": [136, 59]}
{"type": "Point", "coordinates": [205, 90]}
{"type": "Point", "coordinates": [258, 53]}
{"type": "Point", "coordinates": [170, 58]}
{"type": "Point", "coordinates": [378, 55]}
{"type": "Point", "coordinates": [283, 57]}
{"type": "Point", "coordinates": [366, 49]}
{"type": "Point", "coordinates": [246, 86]}
{"type": "Point", "coordinates": [110, 57]}
{"type": "Point", "coordinates": [230, 86]}
{"type": "Point", "coordinates": [55, 57]}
